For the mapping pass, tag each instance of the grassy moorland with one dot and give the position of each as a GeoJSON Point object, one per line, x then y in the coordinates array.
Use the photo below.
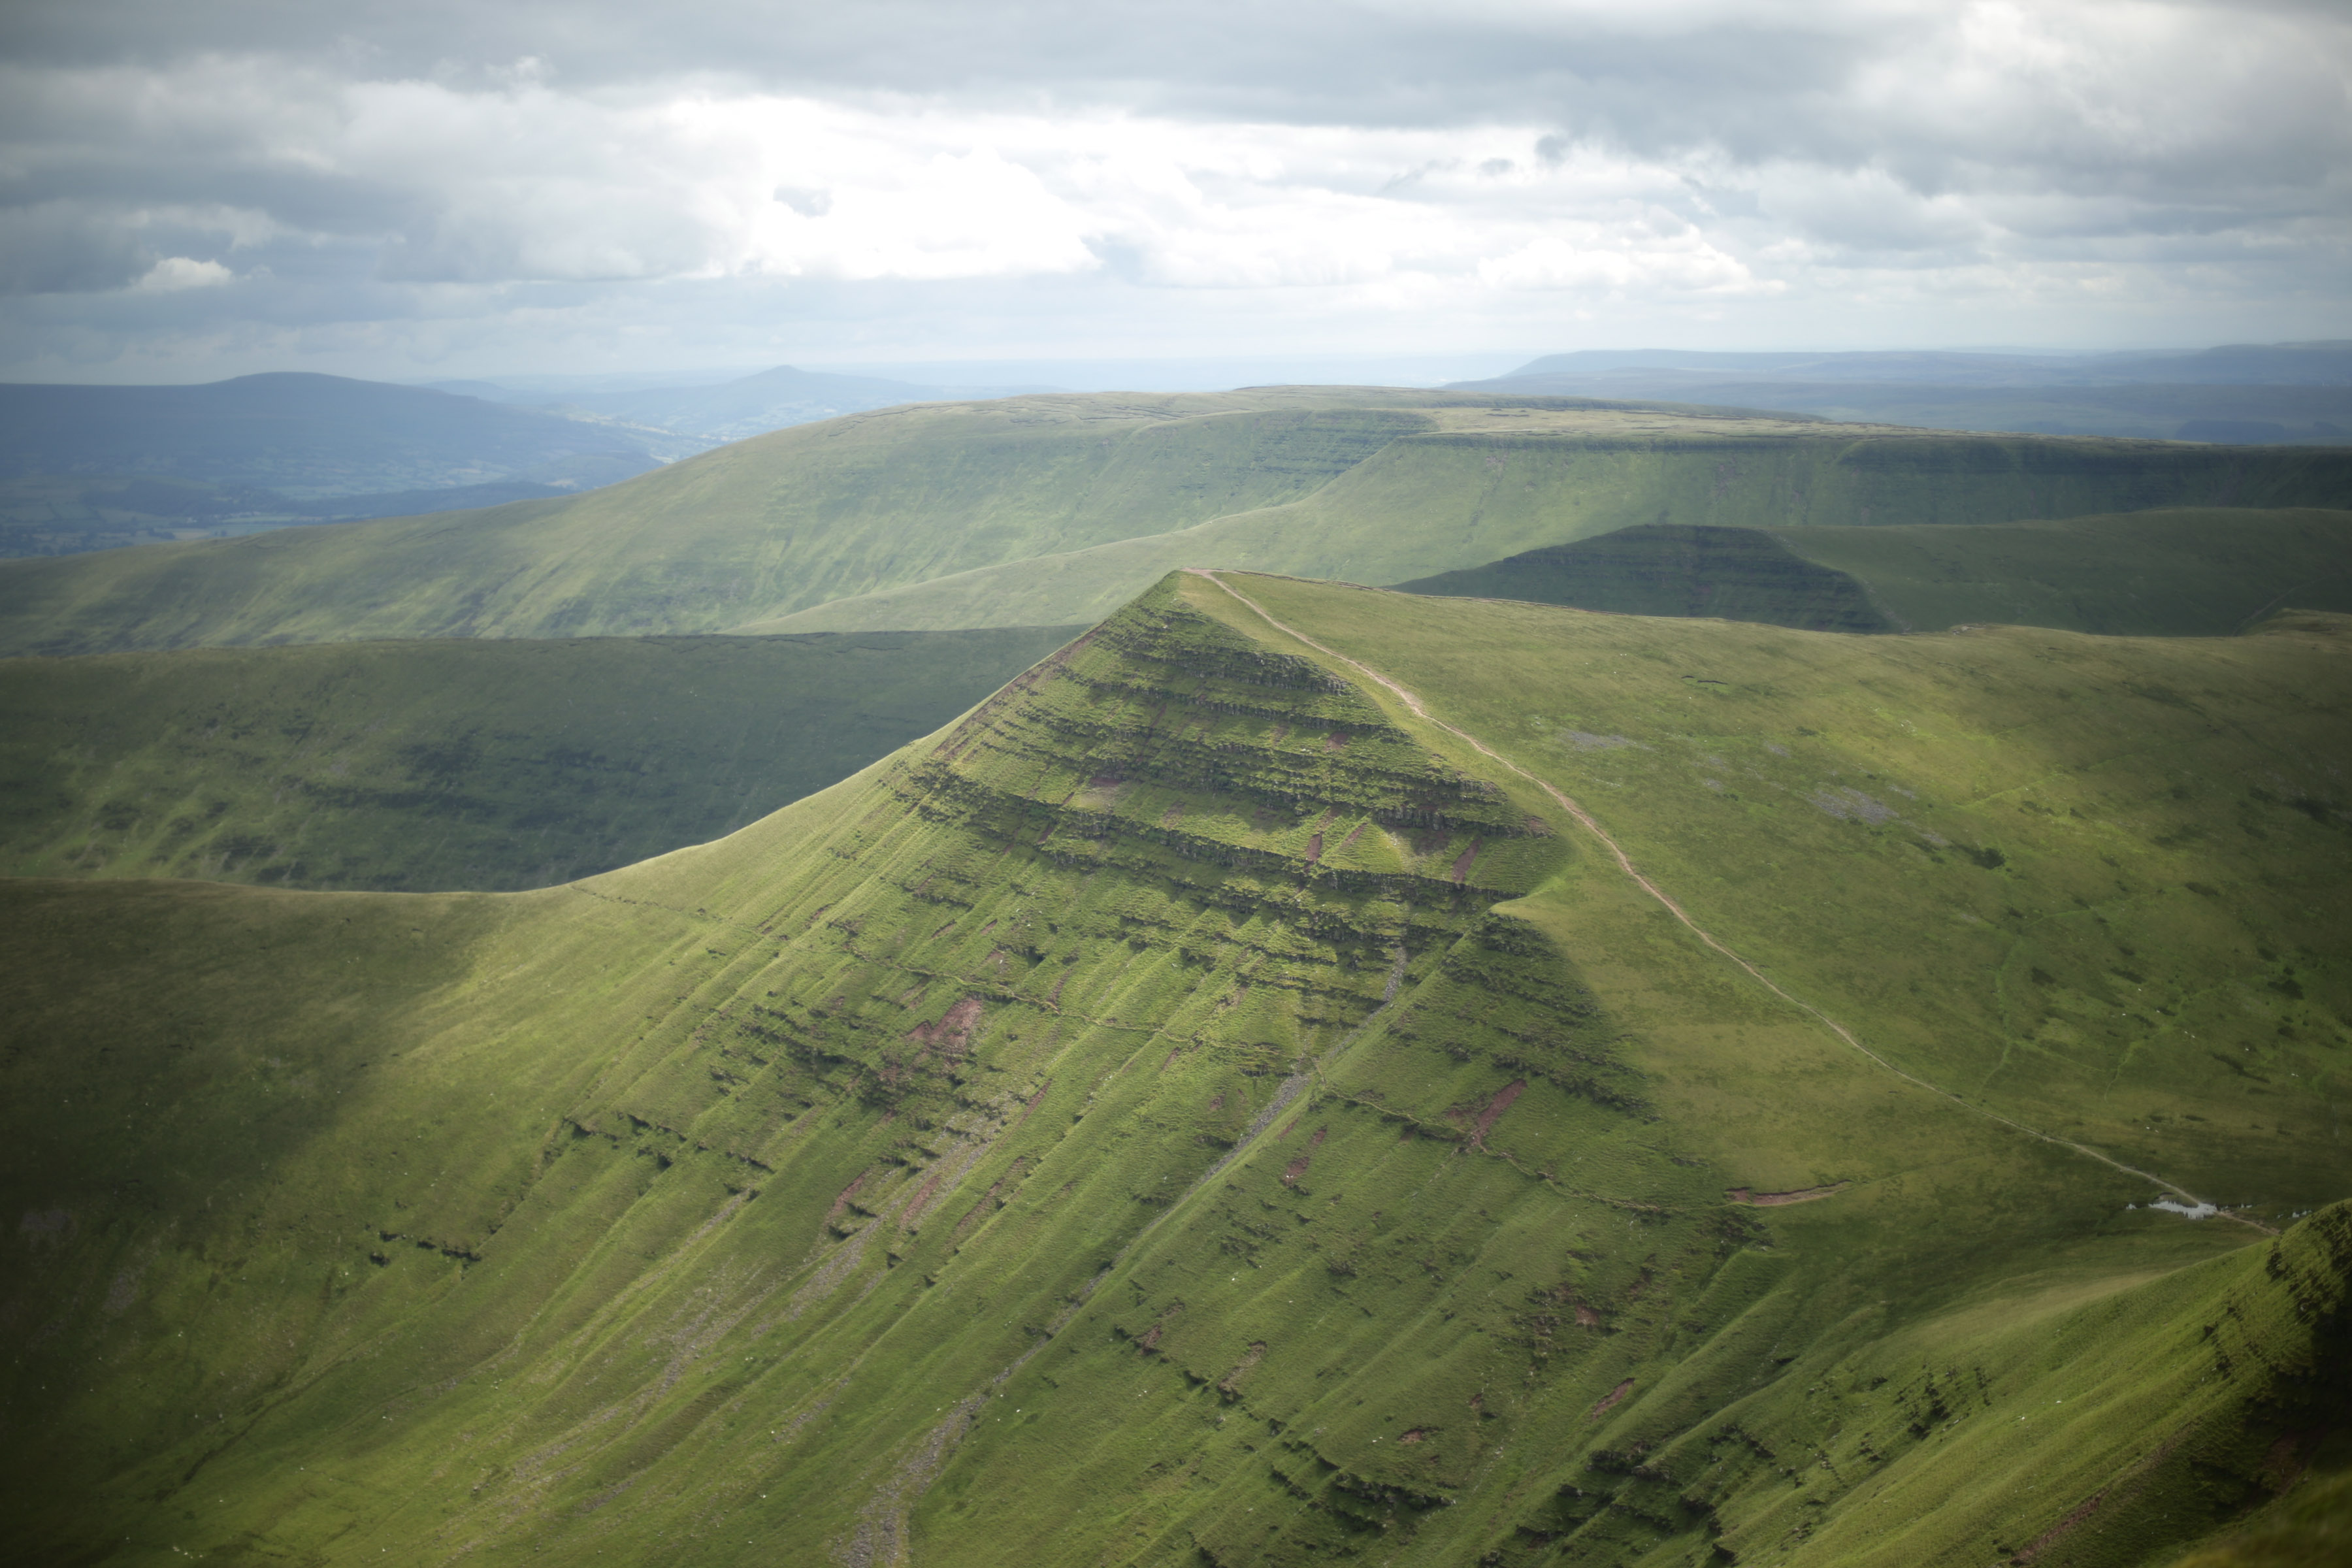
{"type": "Point", "coordinates": [2171, 571]}
{"type": "Point", "coordinates": [1492, 482]}
{"type": "Point", "coordinates": [1048, 510]}
{"type": "Point", "coordinates": [479, 764]}
{"type": "Point", "coordinates": [1224, 1101]}
{"type": "Point", "coordinates": [762, 527]}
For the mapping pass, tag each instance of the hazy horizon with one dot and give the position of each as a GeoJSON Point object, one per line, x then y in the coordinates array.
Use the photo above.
{"type": "Point", "coordinates": [1171, 373]}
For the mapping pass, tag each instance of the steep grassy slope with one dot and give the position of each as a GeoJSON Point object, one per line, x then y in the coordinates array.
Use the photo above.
{"type": "Point", "coordinates": [454, 764]}
{"type": "Point", "coordinates": [1208, 1106]}
{"type": "Point", "coordinates": [2171, 571]}
{"type": "Point", "coordinates": [1054, 510]}
{"type": "Point", "coordinates": [1497, 481]}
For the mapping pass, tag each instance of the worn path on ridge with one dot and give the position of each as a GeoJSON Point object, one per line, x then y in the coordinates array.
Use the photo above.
{"type": "Point", "coordinates": [1625, 864]}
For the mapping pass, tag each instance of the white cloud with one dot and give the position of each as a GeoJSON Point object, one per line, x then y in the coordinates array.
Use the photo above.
{"type": "Point", "coordinates": [1682, 264]}
{"type": "Point", "coordinates": [174, 273]}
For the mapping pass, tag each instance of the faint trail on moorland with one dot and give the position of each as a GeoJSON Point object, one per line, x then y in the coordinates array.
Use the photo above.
{"type": "Point", "coordinates": [1625, 863]}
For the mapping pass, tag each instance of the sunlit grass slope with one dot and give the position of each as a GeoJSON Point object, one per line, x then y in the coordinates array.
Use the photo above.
{"type": "Point", "coordinates": [1054, 510]}
{"type": "Point", "coordinates": [480, 764]}
{"type": "Point", "coordinates": [1204, 1108]}
{"type": "Point", "coordinates": [1491, 482]}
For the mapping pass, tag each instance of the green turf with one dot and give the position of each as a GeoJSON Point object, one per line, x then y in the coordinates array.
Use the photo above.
{"type": "Point", "coordinates": [2176, 572]}
{"type": "Point", "coordinates": [1497, 481]}
{"type": "Point", "coordinates": [2173, 572]}
{"type": "Point", "coordinates": [1048, 510]}
{"type": "Point", "coordinates": [481, 764]}
{"type": "Point", "coordinates": [1200, 1108]}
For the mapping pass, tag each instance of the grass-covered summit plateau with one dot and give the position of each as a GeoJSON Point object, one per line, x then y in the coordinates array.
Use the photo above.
{"type": "Point", "coordinates": [1303, 1074]}
{"type": "Point", "coordinates": [1055, 510]}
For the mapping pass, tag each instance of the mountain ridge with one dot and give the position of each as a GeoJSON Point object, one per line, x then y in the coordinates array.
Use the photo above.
{"type": "Point", "coordinates": [631, 1215]}
{"type": "Point", "coordinates": [1076, 502]}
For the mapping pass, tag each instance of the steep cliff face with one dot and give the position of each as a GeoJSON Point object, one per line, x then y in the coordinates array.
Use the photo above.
{"type": "Point", "coordinates": [1208, 1104]}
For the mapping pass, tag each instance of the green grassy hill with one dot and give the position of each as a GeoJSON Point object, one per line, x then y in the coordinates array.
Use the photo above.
{"type": "Point", "coordinates": [1054, 510]}
{"type": "Point", "coordinates": [1500, 481]}
{"type": "Point", "coordinates": [1564, 1087]}
{"type": "Point", "coordinates": [2171, 571]}
{"type": "Point", "coordinates": [2255, 414]}
{"type": "Point", "coordinates": [764, 526]}
{"type": "Point", "coordinates": [479, 764]}
{"type": "Point", "coordinates": [2244, 393]}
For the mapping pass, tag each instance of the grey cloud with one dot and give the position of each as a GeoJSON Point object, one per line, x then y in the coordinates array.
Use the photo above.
{"type": "Point", "coordinates": [132, 130]}
{"type": "Point", "coordinates": [1357, 64]}
{"type": "Point", "coordinates": [1630, 70]}
{"type": "Point", "coordinates": [1756, 84]}
{"type": "Point", "coordinates": [64, 247]}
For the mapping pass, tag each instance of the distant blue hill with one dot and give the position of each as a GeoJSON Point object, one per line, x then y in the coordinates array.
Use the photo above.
{"type": "Point", "coordinates": [734, 409]}
{"type": "Point", "coordinates": [305, 436]}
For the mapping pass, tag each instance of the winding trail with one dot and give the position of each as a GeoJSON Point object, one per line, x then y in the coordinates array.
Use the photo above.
{"type": "Point", "coordinates": [1625, 864]}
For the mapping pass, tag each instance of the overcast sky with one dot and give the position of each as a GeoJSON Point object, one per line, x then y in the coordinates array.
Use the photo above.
{"type": "Point", "coordinates": [194, 188]}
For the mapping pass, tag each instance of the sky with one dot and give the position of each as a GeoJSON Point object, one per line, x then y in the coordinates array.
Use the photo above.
{"type": "Point", "coordinates": [191, 189]}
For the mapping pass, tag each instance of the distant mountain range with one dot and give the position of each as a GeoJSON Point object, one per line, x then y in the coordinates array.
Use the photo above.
{"type": "Point", "coordinates": [85, 467]}
{"type": "Point", "coordinates": [2246, 393]}
{"type": "Point", "coordinates": [1054, 510]}
{"type": "Point", "coordinates": [91, 468]}
{"type": "Point", "coordinates": [304, 437]}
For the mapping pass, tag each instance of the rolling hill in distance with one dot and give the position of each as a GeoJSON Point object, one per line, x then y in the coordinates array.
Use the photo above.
{"type": "Point", "coordinates": [1052, 509]}
{"type": "Point", "coordinates": [2250, 393]}
{"type": "Point", "coordinates": [736, 407]}
{"type": "Point", "coordinates": [303, 434]}
{"type": "Point", "coordinates": [2323, 363]}
{"type": "Point", "coordinates": [88, 468]}
{"type": "Point", "coordinates": [94, 468]}
{"type": "Point", "coordinates": [1302, 1071]}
